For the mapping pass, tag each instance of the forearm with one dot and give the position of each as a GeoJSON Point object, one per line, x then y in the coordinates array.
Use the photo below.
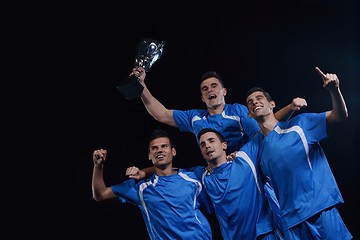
{"type": "Point", "coordinates": [339, 110]}
{"type": "Point", "coordinates": [285, 113]}
{"type": "Point", "coordinates": [156, 109]}
{"type": "Point", "coordinates": [97, 183]}
{"type": "Point", "coordinates": [147, 172]}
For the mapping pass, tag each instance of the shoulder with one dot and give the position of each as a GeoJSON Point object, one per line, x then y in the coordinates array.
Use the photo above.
{"type": "Point", "coordinates": [303, 116]}
{"type": "Point", "coordinates": [196, 171]}
{"type": "Point", "coordinates": [236, 107]}
{"type": "Point", "coordinates": [192, 169]}
{"type": "Point", "coordinates": [190, 176]}
{"type": "Point", "coordinates": [191, 112]}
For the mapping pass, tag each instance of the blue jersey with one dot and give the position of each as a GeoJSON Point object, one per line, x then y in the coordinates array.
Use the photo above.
{"type": "Point", "coordinates": [169, 205]}
{"type": "Point", "coordinates": [233, 123]}
{"type": "Point", "coordinates": [296, 167]}
{"type": "Point", "coordinates": [238, 197]}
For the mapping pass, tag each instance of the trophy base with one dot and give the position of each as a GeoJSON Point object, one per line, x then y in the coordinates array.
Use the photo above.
{"type": "Point", "coordinates": [130, 88]}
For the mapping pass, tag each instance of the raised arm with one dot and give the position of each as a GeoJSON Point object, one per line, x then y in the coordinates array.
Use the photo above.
{"type": "Point", "coordinates": [286, 112]}
{"type": "Point", "coordinates": [99, 190]}
{"type": "Point", "coordinates": [155, 108]}
{"type": "Point", "coordinates": [339, 110]}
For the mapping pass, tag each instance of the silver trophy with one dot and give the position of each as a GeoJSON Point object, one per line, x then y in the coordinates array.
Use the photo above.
{"type": "Point", "coordinates": [148, 52]}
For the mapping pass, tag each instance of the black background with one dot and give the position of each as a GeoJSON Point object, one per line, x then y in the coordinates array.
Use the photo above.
{"type": "Point", "coordinates": [86, 49]}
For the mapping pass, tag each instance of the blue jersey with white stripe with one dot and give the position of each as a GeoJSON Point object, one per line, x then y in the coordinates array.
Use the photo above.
{"type": "Point", "coordinates": [295, 165]}
{"type": "Point", "coordinates": [233, 123]}
{"type": "Point", "coordinates": [169, 205]}
{"type": "Point", "coordinates": [238, 197]}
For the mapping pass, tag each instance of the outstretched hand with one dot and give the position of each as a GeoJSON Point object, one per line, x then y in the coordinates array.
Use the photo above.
{"type": "Point", "coordinates": [330, 80]}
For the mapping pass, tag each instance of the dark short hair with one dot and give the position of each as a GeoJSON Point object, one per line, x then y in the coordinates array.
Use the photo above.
{"type": "Point", "coordinates": [258, 89]}
{"type": "Point", "coordinates": [205, 130]}
{"type": "Point", "coordinates": [210, 74]}
{"type": "Point", "coordinates": [159, 133]}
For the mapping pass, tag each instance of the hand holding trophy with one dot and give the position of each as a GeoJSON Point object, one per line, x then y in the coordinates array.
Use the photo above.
{"type": "Point", "coordinates": [148, 52]}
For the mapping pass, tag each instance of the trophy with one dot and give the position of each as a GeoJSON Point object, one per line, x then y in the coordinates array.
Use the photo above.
{"type": "Point", "coordinates": [148, 52]}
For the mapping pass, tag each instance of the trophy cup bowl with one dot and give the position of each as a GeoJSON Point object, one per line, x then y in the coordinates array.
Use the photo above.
{"type": "Point", "coordinates": [148, 52]}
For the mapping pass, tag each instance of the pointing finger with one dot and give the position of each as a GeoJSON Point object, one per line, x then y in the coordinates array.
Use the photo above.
{"type": "Point", "coordinates": [320, 72]}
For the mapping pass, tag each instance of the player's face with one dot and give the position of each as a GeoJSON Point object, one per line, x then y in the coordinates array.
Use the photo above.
{"type": "Point", "coordinates": [211, 147]}
{"type": "Point", "coordinates": [212, 92]}
{"type": "Point", "coordinates": [258, 105]}
{"type": "Point", "coordinates": [160, 151]}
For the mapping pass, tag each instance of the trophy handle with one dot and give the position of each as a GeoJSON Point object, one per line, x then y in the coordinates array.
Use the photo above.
{"type": "Point", "coordinates": [148, 52]}
{"type": "Point", "coordinates": [130, 87]}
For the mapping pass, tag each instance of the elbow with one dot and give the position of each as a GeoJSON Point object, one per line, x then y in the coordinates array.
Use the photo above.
{"type": "Point", "coordinates": [98, 198]}
{"type": "Point", "coordinates": [340, 117]}
{"type": "Point", "coordinates": [344, 115]}
{"type": "Point", "coordinates": [157, 118]}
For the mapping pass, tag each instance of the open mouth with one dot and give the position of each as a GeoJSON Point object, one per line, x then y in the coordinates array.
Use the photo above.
{"type": "Point", "coordinates": [160, 156]}
{"type": "Point", "coordinates": [256, 109]}
{"type": "Point", "coordinates": [212, 97]}
{"type": "Point", "coordinates": [210, 152]}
